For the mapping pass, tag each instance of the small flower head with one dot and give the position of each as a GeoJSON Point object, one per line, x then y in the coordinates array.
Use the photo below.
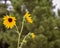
{"type": "Point", "coordinates": [28, 18]}
{"type": "Point", "coordinates": [33, 35]}
{"type": "Point", "coordinates": [9, 21]}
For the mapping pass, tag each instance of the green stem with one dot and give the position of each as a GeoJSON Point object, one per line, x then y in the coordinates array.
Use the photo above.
{"type": "Point", "coordinates": [20, 32]}
{"type": "Point", "coordinates": [18, 41]}
{"type": "Point", "coordinates": [18, 36]}
{"type": "Point", "coordinates": [22, 26]}
{"type": "Point", "coordinates": [22, 41]}
{"type": "Point", "coordinates": [17, 29]}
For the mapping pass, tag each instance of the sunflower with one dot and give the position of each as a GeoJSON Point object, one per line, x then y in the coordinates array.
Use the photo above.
{"type": "Point", "coordinates": [9, 21]}
{"type": "Point", "coordinates": [28, 18]}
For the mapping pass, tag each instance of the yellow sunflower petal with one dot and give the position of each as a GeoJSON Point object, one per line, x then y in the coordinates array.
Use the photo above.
{"type": "Point", "coordinates": [28, 18]}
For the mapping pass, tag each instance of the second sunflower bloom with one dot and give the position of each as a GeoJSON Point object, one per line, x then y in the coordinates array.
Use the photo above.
{"type": "Point", "coordinates": [28, 18]}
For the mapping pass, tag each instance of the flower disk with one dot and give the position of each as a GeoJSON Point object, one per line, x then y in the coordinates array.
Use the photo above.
{"type": "Point", "coordinates": [28, 18]}
{"type": "Point", "coordinates": [9, 21]}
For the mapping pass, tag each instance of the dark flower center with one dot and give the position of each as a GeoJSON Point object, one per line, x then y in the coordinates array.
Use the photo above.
{"type": "Point", "coordinates": [10, 19]}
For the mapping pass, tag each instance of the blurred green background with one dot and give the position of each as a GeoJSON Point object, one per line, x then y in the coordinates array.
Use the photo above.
{"type": "Point", "coordinates": [46, 25]}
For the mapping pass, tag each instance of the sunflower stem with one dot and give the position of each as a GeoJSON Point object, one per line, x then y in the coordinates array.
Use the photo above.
{"type": "Point", "coordinates": [19, 37]}
{"type": "Point", "coordinates": [17, 29]}
{"type": "Point", "coordinates": [22, 27]}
